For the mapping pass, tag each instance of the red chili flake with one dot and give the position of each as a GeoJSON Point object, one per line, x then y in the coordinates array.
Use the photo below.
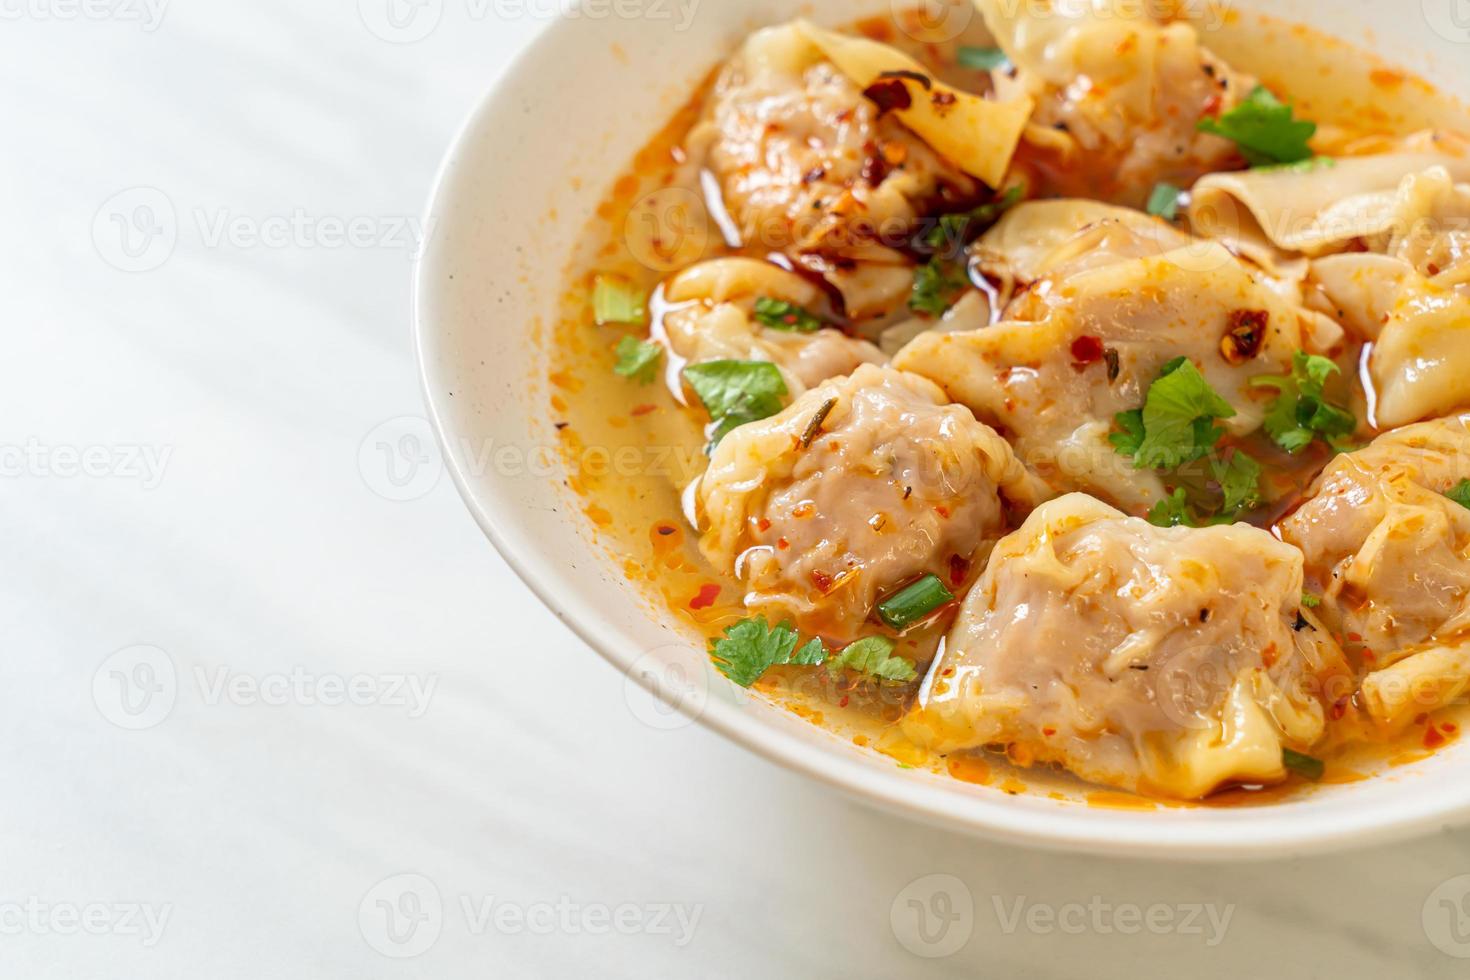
{"type": "Point", "coordinates": [888, 95]}
{"type": "Point", "coordinates": [763, 524]}
{"type": "Point", "coordinates": [1244, 335]}
{"type": "Point", "coordinates": [1434, 270]}
{"type": "Point", "coordinates": [844, 701]}
{"type": "Point", "coordinates": [822, 581]}
{"type": "Point", "coordinates": [782, 544]}
{"type": "Point", "coordinates": [706, 598]}
{"type": "Point", "coordinates": [942, 511]}
{"type": "Point", "coordinates": [1048, 731]}
{"type": "Point", "coordinates": [1339, 708]}
{"type": "Point", "coordinates": [942, 100]}
{"type": "Point", "coordinates": [1087, 350]}
{"type": "Point", "coordinates": [959, 569]}
{"type": "Point", "coordinates": [1355, 637]}
{"type": "Point", "coordinates": [643, 410]}
{"type": "Point", "coordinates": [1432, 738]}
{"type": "Point", "coordinates": [1449, 728]}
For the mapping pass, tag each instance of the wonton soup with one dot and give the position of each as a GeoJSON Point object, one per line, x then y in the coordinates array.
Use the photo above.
{"type": "Point", "coordinates": [1047, 396]}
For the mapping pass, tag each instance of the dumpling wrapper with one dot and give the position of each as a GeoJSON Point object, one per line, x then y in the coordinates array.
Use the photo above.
{"type": "Point", "coordinates": [978, 135]}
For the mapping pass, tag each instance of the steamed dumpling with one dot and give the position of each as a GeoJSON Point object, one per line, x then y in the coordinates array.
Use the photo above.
{"type": "Point", "coordinates": [1389, 555]}
{"type": "Point", "coordinates": [1041, 377]}
{"type": "Point", "coordinates": [861, 486]}
{"type": "Point", "coordinates": [1168, 661]}
{"type": "Point", "coordinates": [713, 321]}
{"type": "Point", "coordinates": [808, 166]}
{"type": "Point", "coordinates": [1118, 97]}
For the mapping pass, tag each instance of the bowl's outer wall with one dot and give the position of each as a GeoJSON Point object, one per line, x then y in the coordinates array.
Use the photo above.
{"type": "Point", "coordinates": [553, 136]}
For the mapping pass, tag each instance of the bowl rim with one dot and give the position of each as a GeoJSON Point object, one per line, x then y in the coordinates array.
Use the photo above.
{"type": "Point", "coordinates": [1272, 831]}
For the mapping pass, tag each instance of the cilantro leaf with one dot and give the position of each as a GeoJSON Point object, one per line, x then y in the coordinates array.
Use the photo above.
{"type": "Point", "coordinates": [981, 59]}
{"type": "Point", "coordinates": [638, 359]}
{"type": "Point", "coordinates": [1265, 129]}
{"type": "Point", "coordinates": [1164, 201]}
{"type": "Point", "coordinates": [780, 315]}
{"type": "Point", "coordinates": [752, 647]}
{"type": "Point", "coordinates": [1128, 441]}
{"type": "Point", "coordinates": [1311, 601]}
{"type": "Point", "coordinates": [1301, 411]}
{"type": "Point", "coordinates": [1240, 482]}
{"type": "Point", "coordinates": [958, 230]}
{"type": "Point", "coordinates": [1460, 493]}
{"type": "Point", "coordinates": [936, 286]}
{"type": "Point", "coordinates": [1177, 418]}
{"type": "Point", "coordinates": [736, 392]}
{"type": "Point", "coordinates": [1172, 511]}
{"type": "Point", "coordinates": [873, 658]}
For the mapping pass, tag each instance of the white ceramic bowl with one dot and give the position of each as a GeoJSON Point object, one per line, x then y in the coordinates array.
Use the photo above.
{"type": "Point", "coordinates": [579, 103]}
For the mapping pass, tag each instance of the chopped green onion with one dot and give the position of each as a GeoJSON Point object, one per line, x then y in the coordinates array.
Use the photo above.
{"type": "Point", "coordinates": [780, 315]}
{"type": "Point", "coordinates": [1164, 201]}
{"type": "Point", "coordinates": [914, 603]}
{"type": "Point", "coordinates": [981, 59]}
{"type": "Point", "coordinates": [1303, 765]}
{"type": "Point", "coordinates": [616, 300]}
{"type": "Point", "coordinates": [1311, 601]}
{"type": "Point", "coordinates": [936, 286]}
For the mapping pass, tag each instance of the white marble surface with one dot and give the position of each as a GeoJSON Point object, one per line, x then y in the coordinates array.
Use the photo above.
{"type": "Point", "coordinates": [226, 517]}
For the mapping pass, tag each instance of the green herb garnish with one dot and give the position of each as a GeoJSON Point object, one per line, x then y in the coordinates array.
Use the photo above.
{"type": "Point", "coordinates": [1172, 511]}
{"type": "Point", "coordinates": [1164, 201]}
{"type": "Point", "coordinates": [751, 647]}
{"type": "Point", "coordinates": [1301, 411]}
{"type": "Point", "coordinates": [873, 658]}
{"type": "Point", "coordinates": [981, 59]}
{"type": "Point", "coordinates": [960, 229]}
{"type": "Point", "coordinates": [1240, 482]}
{"type": "Point", "coordinates": [638, 359]}
{"type": "Point", "coordinates": [1460, 493]}
{"type": "Point", "coordinates": [914, 603]}
{"type": "Point", "coordinates": [936, 286]}
{"type": "Point", "coordinates": [615, 300]}
{"type": "Point", "coordinates": [1311, 601]}
{"type": "Point", "coordinates": [1176, 424]}
{"type": "Point", "coordinates": [781, 315]}
{"type": "Point", "coordinates": [736, 392]}
{"type": "Point", "coordinates": [1303, 765]}
{"type": "Point", "coordinates": [1265, 129]}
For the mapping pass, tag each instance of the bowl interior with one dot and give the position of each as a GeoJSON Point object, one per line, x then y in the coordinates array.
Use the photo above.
{"type": "Point", "coordinates": [549, 142]}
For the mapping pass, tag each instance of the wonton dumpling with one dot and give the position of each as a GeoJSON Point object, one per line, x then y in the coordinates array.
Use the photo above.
{"type": "Point", "coordinates": [1389, 555]}
{"type": "Point", "coordinates": [1411, 295]}
{"type": "Point", "coordinates": [895, 485]}
{"type": "Point", "coordinates": [1167, 661]}
{"type": "Point", "coordinates": [1025, 378]}
{"type": "Point", "coordinates": [714, 322]}
{"type": "Point", "coordinates": [808, 166]}
{"type": "Point", "coordinates": [1118, 97]}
